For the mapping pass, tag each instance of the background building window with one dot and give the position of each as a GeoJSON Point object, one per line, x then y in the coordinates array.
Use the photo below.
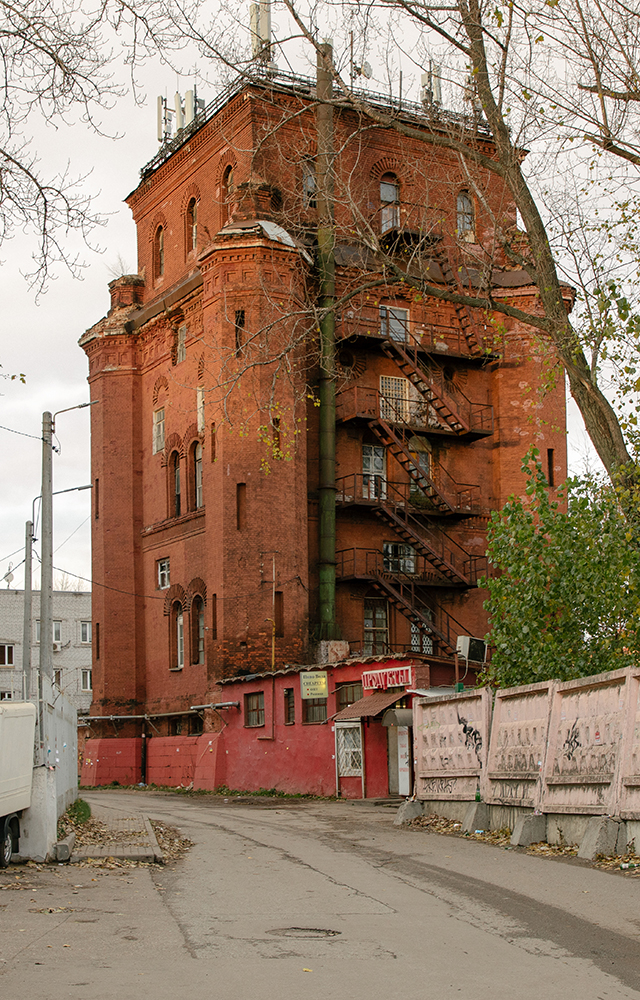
{"type": "Point", "coordinates": [314, 710]}
{"type": "Point", "coordinates": [85, 632]}
{"type": "Point", "coordinates": [6, 655]}
{"type": "Point", "coordinates": [158, 430]}
{"type": "Point", "coordinates": [465, 217]}
{"type": "Point", "coordinates": [197, 630]}
{"type": "Point", "coordinates": [87, 683]}
{"type": "Point", "coordinates": [254, 709]}
{"type": "Point", "coordinates": [289, 707]}
{"type": "Point", "coordinates": [56, 631]}
{"type": "Point", "coordinates": [164, 578]}
{"type": "Point", "coordinates": [389, 202]}
{"type": "Point", "coordinates": [57, 678]}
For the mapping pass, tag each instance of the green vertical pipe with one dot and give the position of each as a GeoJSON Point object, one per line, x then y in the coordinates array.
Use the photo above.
{"type": "Point", "coordinates": [327, 290]}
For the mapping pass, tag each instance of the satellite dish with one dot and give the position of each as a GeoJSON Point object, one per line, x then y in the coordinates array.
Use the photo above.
{"type": "Point", "coordinates": [366, 71]}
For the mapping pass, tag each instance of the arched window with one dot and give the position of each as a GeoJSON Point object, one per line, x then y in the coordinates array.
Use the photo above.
{"type": "Point", "coordinates": [389, 202]}
{"type": "Point", "coordinates": [174, 485]}
{"type": "Point", "coordinates": [158, 253]}
{"type": "Point", "coordinates": [227, 187]}
{"type": "Point", "coordinates": [192, 225]}
{"type": "Point", "coordinates": [197, 475]}
{"type": "Point", "coordinates": [197, 630]}
{"type": "Point", "coordinates": [465, 217]}
{"type": "Point", "coordinates": [177, 636]}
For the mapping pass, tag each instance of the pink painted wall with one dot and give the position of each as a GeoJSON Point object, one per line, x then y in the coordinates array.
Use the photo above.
{"type": "Point", "coordinates": [107, 760]}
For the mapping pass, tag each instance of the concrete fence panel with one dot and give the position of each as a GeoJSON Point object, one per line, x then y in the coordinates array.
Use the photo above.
{"type": "Point", "coordinates": [586, 731]}
{"type": "Point", "coordinates": [518, 746]}
{"type": "Point", "coordinates": [629, 789]}
{"type": "Point", "coordinates": [451, 736]}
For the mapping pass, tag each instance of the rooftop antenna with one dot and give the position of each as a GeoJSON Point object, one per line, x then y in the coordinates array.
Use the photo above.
{"type": "Point", "coordinates": [165, 115]}
{"type": "Point", "coordinates": [432, 85]}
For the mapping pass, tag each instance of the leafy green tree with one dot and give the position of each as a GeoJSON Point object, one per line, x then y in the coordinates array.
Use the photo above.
{"type": "Point", "coordinates": [564, 598]}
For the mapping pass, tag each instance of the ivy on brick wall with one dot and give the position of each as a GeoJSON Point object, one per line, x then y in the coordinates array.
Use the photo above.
{"type": "Point", "coordinates": [564, 590]}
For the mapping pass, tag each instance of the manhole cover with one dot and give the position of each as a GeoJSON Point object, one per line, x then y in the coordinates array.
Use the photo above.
{"type": "Point", "coordinates": [304, 932]}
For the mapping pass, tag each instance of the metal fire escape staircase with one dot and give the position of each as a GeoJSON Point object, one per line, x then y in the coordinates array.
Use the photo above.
{"type": "Point", "coordinates": [427, 385]}
{"type": "Point", "coordinates": [396, 444]}
{"type": "Point", "coordinates": [467, 324]}
{"type": "Point", "coordinates": [434, 621]}
{"type": "Point", "coordinates": [414, 533]}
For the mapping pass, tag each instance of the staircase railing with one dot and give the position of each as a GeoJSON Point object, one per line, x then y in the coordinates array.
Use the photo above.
{"type": "Point", "coordinates": [397, 499]}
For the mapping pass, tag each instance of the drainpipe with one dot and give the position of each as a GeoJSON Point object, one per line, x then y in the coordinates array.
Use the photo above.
{"type": "Point", "coordinates": [326, 267]}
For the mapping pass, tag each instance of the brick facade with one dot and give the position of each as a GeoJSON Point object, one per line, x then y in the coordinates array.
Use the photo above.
{"type": "Point", "coordinates": [215, 335]}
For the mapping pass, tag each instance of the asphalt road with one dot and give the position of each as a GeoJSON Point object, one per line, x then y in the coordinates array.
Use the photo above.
{"type": "Point", "coordinates": [318, 900]}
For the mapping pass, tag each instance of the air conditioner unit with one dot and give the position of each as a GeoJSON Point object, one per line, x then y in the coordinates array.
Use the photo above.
{"type": "Point", "coordinates": [472, 649]}
{"type": "Point", "coordinates": [57, 646]}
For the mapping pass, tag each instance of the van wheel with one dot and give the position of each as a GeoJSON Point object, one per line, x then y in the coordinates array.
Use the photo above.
{"type": "Point", "coordinates": [6, 842]}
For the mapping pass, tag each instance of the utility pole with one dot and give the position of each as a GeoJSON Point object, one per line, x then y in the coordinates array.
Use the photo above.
{"type": "Point", "coordinates": [327, 275]}
{"type": "Point", "coordinates": [26, 626]}
{"type": "Point", "coordinates": [46, 569]}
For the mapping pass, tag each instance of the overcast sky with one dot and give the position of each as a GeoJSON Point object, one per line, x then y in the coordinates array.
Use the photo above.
{"type": "Point", "coordinates": [41, 338]}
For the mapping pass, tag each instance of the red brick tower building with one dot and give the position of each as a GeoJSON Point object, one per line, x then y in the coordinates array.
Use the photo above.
{"type": "Point", "coordinates": [205, 442]}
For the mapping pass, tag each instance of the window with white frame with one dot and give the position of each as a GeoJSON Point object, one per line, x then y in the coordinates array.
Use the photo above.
{"type": "Point", "coordinates": [57, 678]}
{"type": "Point", "coordinates": [85, 632]}
{"type": "Point", "coordinates": [158, 430]}
{"type": "Point", "coordinates": [164, 578]}
{"type": "Point", "coordinates": [181, 346]}
{"type": "Point", "coordinates": [6, 654]}
{"type": "Point", "coordinates": [400, 401]}
{"type": "Point", "coordinates": [394, 323]}
{"type": "Point", "coordinates": [56, 631]}
{"type": "Point", "coordinates": [86, 681]}
{"type": "Point", "coordinates": [374, 472]}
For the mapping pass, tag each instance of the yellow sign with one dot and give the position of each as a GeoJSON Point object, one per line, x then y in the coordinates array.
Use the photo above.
{"type": "Point", "coordinates": [314, 684]}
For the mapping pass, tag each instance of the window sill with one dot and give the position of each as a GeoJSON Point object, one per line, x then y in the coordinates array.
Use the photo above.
{"type": "Point", "coordinates": [322, 722]}
{"type": "Point", "coordinates": [170, 522]}
{"type": "Point", "coordinates": [176, 670]}
{"type": "Point", "coordinates": [261, 726]}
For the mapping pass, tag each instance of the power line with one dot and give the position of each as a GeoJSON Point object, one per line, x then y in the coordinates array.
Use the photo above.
{"type": "Point", "coordinates": [72, 533]}
{"type": "Point", "coordinates": [22, 433]}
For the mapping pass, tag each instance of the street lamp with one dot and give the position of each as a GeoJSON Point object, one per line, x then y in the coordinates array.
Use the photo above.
{"type": "Point", "coordinates": [29, 539]}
